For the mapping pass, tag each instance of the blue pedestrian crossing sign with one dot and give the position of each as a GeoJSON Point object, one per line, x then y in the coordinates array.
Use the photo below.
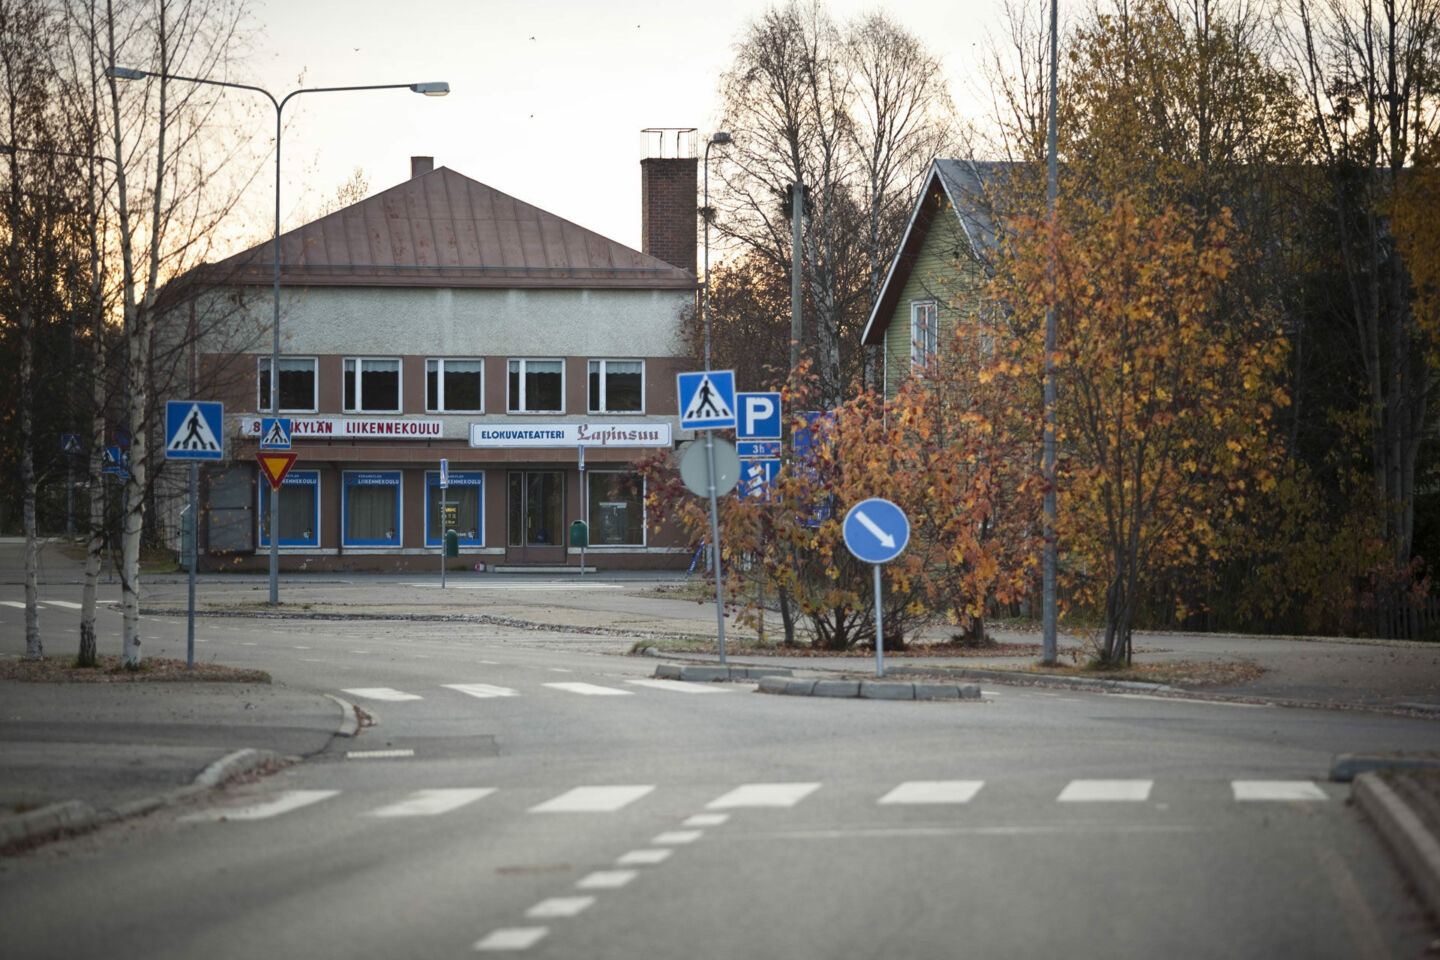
{"type": "Point", "coordinates": [876, 531]}
{"type": "Point", "coordinates": [194, 430]}
{"type": "Point", "coordinates": [274, 433]}
{"type": "Point", "coordinates": [707, 399]}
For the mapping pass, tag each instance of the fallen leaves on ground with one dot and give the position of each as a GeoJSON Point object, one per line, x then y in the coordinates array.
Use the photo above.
{"type": "Point", "coordinates": [111, 669]}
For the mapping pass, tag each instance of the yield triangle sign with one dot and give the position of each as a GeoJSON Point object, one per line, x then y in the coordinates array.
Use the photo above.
{"type": "Point", "coordinates": [275, 466]}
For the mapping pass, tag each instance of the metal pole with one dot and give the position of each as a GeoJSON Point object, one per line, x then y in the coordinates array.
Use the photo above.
{"type": "Point", "coordinates": [194, 552]}
{"type": "Point", "coordinates": [69, 495]}
{"type": "Point", "coordinates": [1049, 559]}
{"type": "Point", "coordinates": [879, 627]}
{"type": "Point", "coordinates": [275, 370]}
{"type": "Point", "coordinates": [705, 297]}
{"type": "Point", "coordinates": [797, 299]}
{"type": "Point", "coordinates": [715, 544]}
{"type": "Point", "coordinates": [444, 534]}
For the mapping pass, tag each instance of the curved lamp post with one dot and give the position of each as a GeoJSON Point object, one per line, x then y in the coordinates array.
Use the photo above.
{"type": "Point", "coordinates": [707, 215]}
{"type": "Point", "coordinates": [434, 89]}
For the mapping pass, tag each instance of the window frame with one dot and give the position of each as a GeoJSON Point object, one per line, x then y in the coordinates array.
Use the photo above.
{"type": "Point", "coordinates": [589, 513]}
{"type": "Point", "coordinates": [399, 486]}
{"type": "Point", "coordinates": [470, 478]}
{"type": "Point", "coordinates": [441, 406]}
{"type": "Point", "coordinates": [603, 362]}
{"type": "Point", "coordinates": [360, 384]}
{"type": "Point", "coordinates": [296, 478]}
{"type": "Point", "coordinates": [262, 398]}
{"type": "Point", "coordinates": [523, 408]}
{"type": "Point", "coordinates": [924, 352]}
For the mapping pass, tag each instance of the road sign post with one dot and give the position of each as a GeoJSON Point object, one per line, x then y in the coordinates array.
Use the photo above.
{"type": "Point", "coordinates": [444, 516]}
{"type": "Point", "coordinates": [194, 431]}
{"type": "Point", "coordinates": [876, 532]}
{"type": "Point", "coordinates": [707, 402]}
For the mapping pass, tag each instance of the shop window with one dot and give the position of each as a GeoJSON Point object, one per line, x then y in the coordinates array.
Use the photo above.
{"type": "Point", "coordinates": [297, 385]}
{"type": "Point", "coordinates": [454, 386]}
{"type": "Point", "coordinates": [537, 386]}
{"type": "Point", "coordinates": [371, 509]}
{"type": "Point", "coordinates": [299, 510]}
{"type": "Point", "coordinates": [617, 512]}
{"type": "Point", "coordinates": [924, 334]}
{"type": "Point", "coordinates": [372, 386]}
{"type": "Point", "coordinates": [617, 386]}
{"type": "Point", "coordinates": [466, 496]}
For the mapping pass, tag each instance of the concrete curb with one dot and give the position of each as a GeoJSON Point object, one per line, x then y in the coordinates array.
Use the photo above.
{"type": "Point", "coordinates": [869, 689]}
{"type": "Point", "coordinates": [698, 674]}
{"type": "Point", "coordinates": [349, 719]}
{"type": "Point", "coordinates": [1413, 845]}
{"type": "Point", "coordinates": [1016, 677]}
{"type": "Point", "coordinates": [1348, 766]}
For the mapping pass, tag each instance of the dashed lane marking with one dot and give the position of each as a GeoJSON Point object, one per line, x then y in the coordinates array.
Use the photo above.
{"type": "Point", "coordinates": [559, 907]}
{"type": "Point", "coordinates": [644, 858]}
{"type": "Point", "coordinates": [606, 879]}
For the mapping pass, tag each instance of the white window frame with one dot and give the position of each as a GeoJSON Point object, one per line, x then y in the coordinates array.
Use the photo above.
{"type": "Point", "coordinates": [924, 337]}
{"type": "Point", "coordinates": [523, 408]}
{"type": "Point", "coordinates": [359, 363]}
{"type": "Point", "coordinates": [604, 373]}
{"type": "Point", "coordinates": [262, 398]}
{"type": "Point", "coordinates": [441, 406]}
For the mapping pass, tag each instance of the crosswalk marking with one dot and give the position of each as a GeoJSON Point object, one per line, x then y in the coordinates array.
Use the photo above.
{"type": "Point", "coordinates": [764, 795]}
{"type": "Point", "coordinates": [1105, 791]}
{"type": "Point", "coordinates": [66, 604]}
{"type": "Point", "coordinates": [677, 836]}
{"type": "Point", "coordinates": [678, 686]}
{"type": "Point", "coordinates": [512, 938]}
{"type": "Point", "coordinates": [606, 879]}
{"type": "Point", "coordinates": [644, 858]}
{"type": "Point", "coordinates": [482, 690]}
{"type": "Point", "coordinates": [290, 800]}
{"type": "Point", "coordinates": [934, 791]}
{"type": "Point", "coordinates": [1277, 790]}
{"type": "Point", "coordinates": [706, 820]}
{"type": "Point", "coordinates": [559, 907]}
{"type": "Point", "coordinates": [382, 693]}
{"type": "Point", "coordinates": [593, 799]}
{"type": "Point", "coordinates": [589, 689]}
{"type": "Point", "coordinates": [429, 803]}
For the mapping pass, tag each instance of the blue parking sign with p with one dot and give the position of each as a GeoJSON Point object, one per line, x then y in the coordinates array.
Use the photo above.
{"type": "Point", "coordinates": [759, 416]}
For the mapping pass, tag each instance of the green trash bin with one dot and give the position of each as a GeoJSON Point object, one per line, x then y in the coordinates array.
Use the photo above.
{"type": "Point", "coordinates": [579, 534]}
{"type": "Point", "coordinates": [452, 543]}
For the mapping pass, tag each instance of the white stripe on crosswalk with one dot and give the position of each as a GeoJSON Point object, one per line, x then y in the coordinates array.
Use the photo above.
{"type": "Point", "coordinates": [764, 795]}
{"type": "Point", "coordinates": [1277, 790]}
{"type": "Point", "coordinates": [593, 799]}
{"type": "Point", "coordinates": [512, 938]}
{"type": "Point", "coordinates": [290, 800]}
{"type": "Point", "coordinates": [66, 604]}
{"type": "Point", "coordinates": [481, 690]}
{"type": "Point", "coordinates": [644, 858]}
{"type": "Point", "coordinates": [677, 836]}
{"type": "Point", "coordinates": [382, 693]}
{"type": "Point", "coordinates": [589, 689]}
{"type": "Point", "coordinates": [706, 820]}
{"type": "Point", "coordinates": [934, 791]}
{"type": "Point", "coordinates": [606, 879]}
{"type": "Point", "coordinates": [1105, 791]}
{"type": "Point", "coordinates": [429, 803]}
{"type": "Point", "coordinates": [559, 907]}
{"type": "Point", "coordinates": [678, 686]}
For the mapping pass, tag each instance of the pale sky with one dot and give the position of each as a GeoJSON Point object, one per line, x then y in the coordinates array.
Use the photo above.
{"type": "Point", "coordinates": [547, 99]}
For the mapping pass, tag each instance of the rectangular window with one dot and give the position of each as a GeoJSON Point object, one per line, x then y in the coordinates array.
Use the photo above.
{"type": "Point", "coordinates": [924, 334]}
{"type": "Point", "coordinates": [297, 385]}
{"type": "Point", "coordinates": [466, 496]}
{"type": "Point", "coordinates": [299, 510]}
{"type": "Point", "coordinates": [537, 386]}
{"type": "Point", "coordinates": [372, 386]}
{"type": "Point", "coordinates": [454, 386]}
{"type": "Point", "coordinates": [371, 509]}
{"type": "Point", "coordinates": [617, 386]}
{"type": "Point", "coordinates": [617, 512]}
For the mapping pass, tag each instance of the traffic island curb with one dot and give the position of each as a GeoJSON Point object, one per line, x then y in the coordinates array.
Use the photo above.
{"type": "Point", "coordinates": [1348, 766]}
{"type": "Point", "coordinates": [707, 674]}
{"type": "Point", "coordinates": [1414, 846]}
{"type": "Point", "coordinates": [869, 689]}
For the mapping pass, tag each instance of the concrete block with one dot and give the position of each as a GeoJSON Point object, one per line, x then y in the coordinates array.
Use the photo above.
{"type": "Point", "coordinates": [970, 691]}
{"type": "Point", "coordinates": [668, 671]}
{"type": "Point", "coordinates": [755, 673]}
{"type": "Point", "coordinates": [774, 684]}
{"type": "Point", "coordinates": [837, 688]}
{"type": "Point", "coordinates": [798, 688]}
{"type": "Point", "coordinates": [705, 674]}
{"type": "Point", "coordinates": [937, 691]}
{"type": "Point", "coordinates": [876, 690]}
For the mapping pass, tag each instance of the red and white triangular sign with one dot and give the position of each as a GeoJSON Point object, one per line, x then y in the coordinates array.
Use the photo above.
{"type": "Point", "coordinates": [275, 465]}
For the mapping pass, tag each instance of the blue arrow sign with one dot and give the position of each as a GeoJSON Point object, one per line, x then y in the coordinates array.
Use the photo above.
{"type": "Point", "coordinates": [757, 477]}
{"type": "Point", "coordinates": [759, 416]}
{"type": "Point", "coordinates": [707, 399]}
{"type": "Point", "coordinates": [876, 530]}
{"type": "Point", "coordinates": [194, 430]}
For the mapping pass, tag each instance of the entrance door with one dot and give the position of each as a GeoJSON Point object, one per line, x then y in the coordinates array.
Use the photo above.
{"type": "Point", "coordinates": [537, 517]}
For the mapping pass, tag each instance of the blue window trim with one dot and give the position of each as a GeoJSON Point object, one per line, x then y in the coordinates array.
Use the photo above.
{"type": "Point", "coordinates": [295, 478]}
{"type": "Point", "coordinates": [355, 478]}
{"type": "Point", "coordinates": [466, 478]}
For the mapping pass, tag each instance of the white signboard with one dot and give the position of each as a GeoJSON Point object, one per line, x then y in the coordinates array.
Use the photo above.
{"type": "Point", "coordinates": [569, 434]}
{"type": "Point", "coordinates": [352, 428]}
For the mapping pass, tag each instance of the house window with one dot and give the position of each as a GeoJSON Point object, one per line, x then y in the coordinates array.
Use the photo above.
{"type": "Point", "coordinates": [454, 386]}
{"type": "Point", "coordinates": [617, 386]}
{"type": "Point", "coordinates": [299, 510]}
{"type": "Point", "coordinates": [617, 512]}
{"type": "Point", "coordinates": [924, 335]}
{"type": "Point", "coordinates": [371, 509]}
{"type": "Point", "coordinates": [297, 385]}
{"type": "Point", "coordinates": [537, 386]}
{"type": "Point", "coordinates": [466, 495]}
{"type": "Point", "coordinates": [372, 386]}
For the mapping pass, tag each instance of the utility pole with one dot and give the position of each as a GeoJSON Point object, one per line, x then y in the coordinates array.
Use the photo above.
{"type": "Point", "coordinates": [797, 259]}
{"type": "Point", "coordinates": [1048, 614]}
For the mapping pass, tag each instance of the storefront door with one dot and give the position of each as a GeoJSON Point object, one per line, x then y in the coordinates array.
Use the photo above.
{"type": "Point", "coordinates": [536, 509]}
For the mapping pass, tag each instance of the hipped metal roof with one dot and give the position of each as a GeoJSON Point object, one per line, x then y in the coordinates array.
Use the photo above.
{"type": "Point", "coordinates": [443, 229]}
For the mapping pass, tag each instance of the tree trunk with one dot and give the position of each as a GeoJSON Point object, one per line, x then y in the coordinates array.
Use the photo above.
{"type": "Point", "coordinates": [34, 649]}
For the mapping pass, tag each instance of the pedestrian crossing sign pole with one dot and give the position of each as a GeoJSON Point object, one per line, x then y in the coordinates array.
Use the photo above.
{"type": "Point", "coordinates": [194, 431]}
{"type": "Point", "coordinates": [707, 402]}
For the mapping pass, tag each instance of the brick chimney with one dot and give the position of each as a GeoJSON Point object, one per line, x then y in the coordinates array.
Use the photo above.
{"type": "Point", "coordinates": [419, 166]}
{"type": "Point", "coordinates": [668, 208]}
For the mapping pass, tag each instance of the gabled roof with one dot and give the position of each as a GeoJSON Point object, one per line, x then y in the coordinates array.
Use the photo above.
{"type": "Point", "coordinates": [442, 229]}
{"type": "Point", "coordinates": [970, 187]}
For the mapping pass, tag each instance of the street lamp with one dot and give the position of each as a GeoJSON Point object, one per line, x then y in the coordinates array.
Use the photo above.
{"type": "Point", "coordinates": [707, 215]}
{"type": "Point", "coordinates": [432, 89]}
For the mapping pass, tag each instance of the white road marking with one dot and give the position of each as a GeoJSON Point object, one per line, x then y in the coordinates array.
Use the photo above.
{"type": "Point", "coordinates": [379, 754]}
{"type": "Point", "coordinates": [934, 791]}
{"type": "Point", "coordinates": [678, 686]}
{"type": "Point", "coordinates": [429, 803]}
{"type": "Point", "coordinates": [566, 585]}
{"type": "Point", "coordinates": [290, 800]}
{"type": "Point", "coordinates": [644, 858]}
{"type": "Point", "coordinates": [13, 603]}
{"type": "Point", "coordinates": [764, 795]}
{"type": "Point", "coordinates": [706, 820]}
{"type": "Point", "coordinates": [589, 689]}
{"type": "Point", "coordinates": [66, 604]}
{"type": "Point", "coordinates": [381, 693]}
{"type": "Point", "coordinates": [559, 907]}
{"type": "Point", "coordinates": [677, 836]}
{"type": "Point", "coordinates": [1277, 790]}
{"type": "Point", "coordinates": [593, 799]}
{"type": "Point", "coordinates": [1105, 791]}
{"type": "Point", "coordinates": [606, 880]}
{"type": "Point", "coordinates": [481, 690]}
{"type": "Point", "coordinates": [560, 670]}
{"type": "Point", "coordinates": [512, 938]}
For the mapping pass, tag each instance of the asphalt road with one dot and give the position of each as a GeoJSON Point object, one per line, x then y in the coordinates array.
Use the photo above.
{"type": "Point", "coordinates": [535, 794]}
